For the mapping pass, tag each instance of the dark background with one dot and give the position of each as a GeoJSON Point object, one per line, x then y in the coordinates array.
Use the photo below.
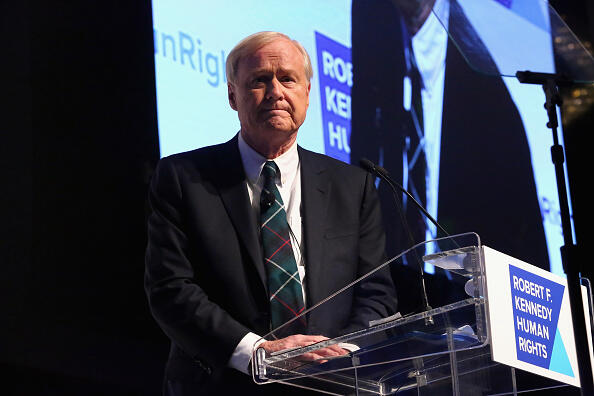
{"type": "Point", "coordinates": [79, 144]}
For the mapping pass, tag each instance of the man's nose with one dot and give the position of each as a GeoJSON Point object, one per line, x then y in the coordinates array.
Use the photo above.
{"type": "Point", "coordinates": [274, 90]}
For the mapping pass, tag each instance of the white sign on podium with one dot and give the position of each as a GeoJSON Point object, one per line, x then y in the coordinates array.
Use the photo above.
{"type": "Point", "coordinates": [530, 318]}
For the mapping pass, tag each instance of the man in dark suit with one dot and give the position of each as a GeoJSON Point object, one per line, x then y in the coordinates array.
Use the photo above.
{"type": "Point", "coordinates": [484, 171]}
{"type": "Point", "coordinates": [208, 268]}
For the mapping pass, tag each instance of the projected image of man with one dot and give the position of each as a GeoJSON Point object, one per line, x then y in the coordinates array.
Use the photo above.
{"type": "Point", "coordinates": [452, 136]}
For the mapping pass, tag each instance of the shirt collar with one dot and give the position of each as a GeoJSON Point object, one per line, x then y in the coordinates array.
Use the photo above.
{"type": "Point", "coordinates": [253, 162]}
{"type": "Point", "coordinates": [430, 43]}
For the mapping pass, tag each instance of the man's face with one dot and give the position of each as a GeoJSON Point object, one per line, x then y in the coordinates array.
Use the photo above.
{"type": "Point", "coordinates": [270, 95]}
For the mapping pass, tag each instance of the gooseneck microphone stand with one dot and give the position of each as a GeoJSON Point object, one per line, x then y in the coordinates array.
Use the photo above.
{"type": "Point", "coordinates": [569, 251]}
{"type": "Point", "coordinates": [394, 186]}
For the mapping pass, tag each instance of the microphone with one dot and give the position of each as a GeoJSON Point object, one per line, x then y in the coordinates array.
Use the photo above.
{"type": "Point", "coordinates": [266, 199]}
{"type": "Point", "coordinates": [383, 174]}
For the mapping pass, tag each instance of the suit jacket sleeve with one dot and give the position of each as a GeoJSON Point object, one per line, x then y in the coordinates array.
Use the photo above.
{"type": "Point", "coordinates": [179, 304]}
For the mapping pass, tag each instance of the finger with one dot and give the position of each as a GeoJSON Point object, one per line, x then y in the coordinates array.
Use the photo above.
{"type": "Point", "coordinates": [338, 350]}
{"type": "Point", "coordinates": [326, 352]}
{"type": "Point", "coordinates": [293, 341]}
{"type": "Point", "coordinates": [306, 340]}
{"type": "Point", "coordinates": [301, 339]}
{"type": "Point", "coordinates": [333, 350]}
{"type": "Point", "coordinates": [313, 339]}
{"type": "Point", "coordinates": [310, 357]}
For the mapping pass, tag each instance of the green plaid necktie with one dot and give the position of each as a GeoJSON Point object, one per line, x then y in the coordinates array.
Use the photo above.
{"type": "Point", "coordinates": [284, 284]}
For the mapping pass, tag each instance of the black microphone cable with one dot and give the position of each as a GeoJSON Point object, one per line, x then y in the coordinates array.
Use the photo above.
{"type": "Point", "coordinates": [383, 174]}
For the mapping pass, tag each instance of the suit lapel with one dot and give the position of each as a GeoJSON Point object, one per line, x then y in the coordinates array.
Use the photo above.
{"type": "Point", "coordinates": [315, 190]}
{"type": "Point", "coordinates": [231, 182]}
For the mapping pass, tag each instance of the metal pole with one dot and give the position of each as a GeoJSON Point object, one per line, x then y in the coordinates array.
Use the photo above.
{"type": "Point", "coordinates": [569, 255]}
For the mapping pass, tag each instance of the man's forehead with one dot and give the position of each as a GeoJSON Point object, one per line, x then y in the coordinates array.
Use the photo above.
{"type": "Point", "coordinates": [281, 54]}
{"type": "Point", "coordinates": [277, 49]}
{"type": "Point", "coordinates": [278, 45]}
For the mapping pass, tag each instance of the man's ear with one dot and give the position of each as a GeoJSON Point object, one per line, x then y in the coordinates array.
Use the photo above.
{"type": "Point", "coordinates": [231, 95]}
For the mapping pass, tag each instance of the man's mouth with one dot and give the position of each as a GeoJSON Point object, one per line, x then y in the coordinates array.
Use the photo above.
{"type": "Point", "coordinates": [275, 112]}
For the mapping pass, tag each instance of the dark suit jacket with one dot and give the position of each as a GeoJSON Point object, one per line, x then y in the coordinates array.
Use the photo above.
{"type": "Point", "coordinates": [205, 278]}
{"type": "Point", "coordinates": [486, 183]}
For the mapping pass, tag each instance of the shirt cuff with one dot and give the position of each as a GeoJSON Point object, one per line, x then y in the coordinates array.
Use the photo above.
{"type": "Point", "coordinates": [240, 359]}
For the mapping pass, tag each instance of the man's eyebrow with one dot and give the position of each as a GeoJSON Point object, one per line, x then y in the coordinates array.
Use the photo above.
{"type": "Point", "coordinates": [263, 70]}
{"type": "Point", "coordinates": [260, 71]}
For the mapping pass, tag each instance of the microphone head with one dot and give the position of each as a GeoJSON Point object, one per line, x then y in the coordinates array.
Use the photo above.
{"type": "Point", "coordinates": [373, 168]}
{"type": "Point", "coordinates": [367, 165]}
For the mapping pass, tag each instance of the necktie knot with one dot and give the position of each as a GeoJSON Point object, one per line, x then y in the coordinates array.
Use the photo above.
{"type": "Point", "coordinates": [269, 171]}
{"type": "Point", "coordinates": [270, 193]}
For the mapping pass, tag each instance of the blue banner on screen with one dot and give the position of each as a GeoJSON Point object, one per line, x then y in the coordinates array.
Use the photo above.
{"type": "Point", "coordinates": [536, 306]}
{"type": "Point", "coordinates": [336, 79]}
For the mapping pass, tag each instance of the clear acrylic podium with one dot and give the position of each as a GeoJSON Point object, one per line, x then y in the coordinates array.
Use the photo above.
{"type": "Point", "coordinates": [445, 350]}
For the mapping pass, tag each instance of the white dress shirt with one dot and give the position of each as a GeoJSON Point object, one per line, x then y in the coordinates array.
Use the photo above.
{"type": "Point", "coordinates": [430, 47]}
{"type": "Point", "coordinates": [289, 187]}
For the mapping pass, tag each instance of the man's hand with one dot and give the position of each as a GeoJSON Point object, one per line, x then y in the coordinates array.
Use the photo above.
{"type": "Point", "coordinates": [300, 340]}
